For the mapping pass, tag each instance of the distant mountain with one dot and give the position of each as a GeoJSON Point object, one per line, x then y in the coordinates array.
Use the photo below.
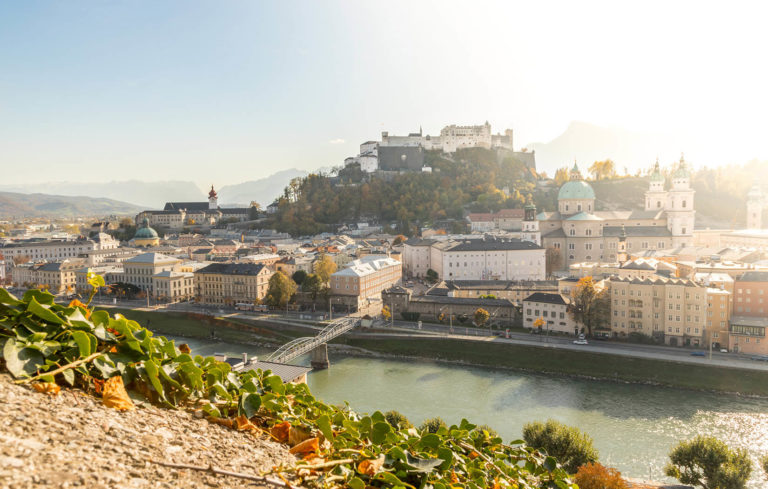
{"type": "Point", "coordinates": [587, 143]}
{"type": "Point", "coordinates": [148, 195]}
{"type": "Point", "coordinates": [15, 205]}
{"type": "Point", "coordinates": [263, 191]}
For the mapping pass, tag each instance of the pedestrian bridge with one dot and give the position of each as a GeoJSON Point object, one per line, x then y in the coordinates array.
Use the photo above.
{"type": "Point", "coordinates": [317, 345]}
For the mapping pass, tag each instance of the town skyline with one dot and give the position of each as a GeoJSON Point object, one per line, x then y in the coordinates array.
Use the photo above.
{"type": "Point", "coordinates": [150, 92]}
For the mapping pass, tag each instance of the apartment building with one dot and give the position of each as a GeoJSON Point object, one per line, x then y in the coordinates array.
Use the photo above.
{"type": "Point", "coordinates": [173, 286]}
{"type": "Point", "coordinates": [553, 310]}
{"type": "Point", "coordinates": [750, 296]}
{"type": "Point", "coordinates": [670, 309]}
{"type": "Point", "coordinates": [718, 316]}
{"type": "Point", "coordinates": [231, 283]}
{"type": "Point", "coordinates": [57, 277]}
{"type": "Point", "coordinates": [364, 279]}
{"type": "Point", "coordinates": [36, 251]}
{"type": "Point", "coordinates": [140, 269]}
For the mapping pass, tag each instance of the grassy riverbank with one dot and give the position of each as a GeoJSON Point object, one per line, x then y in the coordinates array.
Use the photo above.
{"type": "Point", "coordinates": [565, 362]}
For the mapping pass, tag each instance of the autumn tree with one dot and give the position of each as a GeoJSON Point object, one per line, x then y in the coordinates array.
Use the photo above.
{"type": "Point", "coordinates": [299, 276]}
{"type": "Point", "coordinates": [561, 176]}
{"type": "Point", "coordinates": [707, 462]}
{"type": "Point", "coordinates": [386, 313]}
{"type": "Point", "coordinates": [601, 170]}
{"type": "Point", "coordinates": [312, 284]}
{"type": "Point", "coordinates": [280, 290]}
{"type": "Point", "coordinates": [481, 317]}
{"type": "Point", "coordinates": [399, 239]}
{"type": "Point", "coordinates": [324, 267]}
{"type": "Point", "coordinates": [590, 305]}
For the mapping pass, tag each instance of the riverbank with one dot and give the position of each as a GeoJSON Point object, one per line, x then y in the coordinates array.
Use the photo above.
{"type": "Point", "coordinates": [489, 354]}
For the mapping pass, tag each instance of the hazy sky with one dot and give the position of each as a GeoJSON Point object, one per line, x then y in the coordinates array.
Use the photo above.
{"type": "Point", "coordinates": [227, 91]}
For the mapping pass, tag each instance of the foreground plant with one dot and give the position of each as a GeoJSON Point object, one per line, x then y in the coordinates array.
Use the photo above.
{"type": "Point", "coordinates": [51, 345]}
{"type": "Point", "coordinates": [707, 462]}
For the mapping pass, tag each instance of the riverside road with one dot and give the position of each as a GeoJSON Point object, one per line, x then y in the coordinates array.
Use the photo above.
{"type": "Point", "coordinates": [410, 330]}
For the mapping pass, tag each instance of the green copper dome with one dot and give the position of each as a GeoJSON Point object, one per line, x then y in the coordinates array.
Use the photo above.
{"type": "Point", "coordinates": [682, 170]}
{"type": "Point", "coordinates": [576, 189]}
{"type": "Point", "coordinates": [145, 232]}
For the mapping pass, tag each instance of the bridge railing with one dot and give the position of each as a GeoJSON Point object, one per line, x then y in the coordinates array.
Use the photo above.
{"type": "Point", "coordinates": [301, 346]}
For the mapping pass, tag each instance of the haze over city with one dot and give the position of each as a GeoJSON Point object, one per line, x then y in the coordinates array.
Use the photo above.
{"type": "Point", "coordinates": [161, 91]}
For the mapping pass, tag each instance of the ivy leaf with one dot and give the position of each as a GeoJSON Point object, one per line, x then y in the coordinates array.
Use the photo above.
{"type": "Point", "coordinates": [69, 376]}
{"type": "Point", "coordinates": [250, 404]}
{"type": "Point", "coordinates": [324, 424]}
{"type": "Point", "coordinates": [153, 375]}
{"type": "Point", "coordinates": [43, 312]}
{"type": "Point", "coordinates": [7, 298]}
{"type": "Point", "coordinates": [21, 361]}
{"type": "Point", "coordinates": [85, 342]}
{"type": "Point", "coordinates": [379, 432]}
{"type": "Point", "coordinates": [550, 463]}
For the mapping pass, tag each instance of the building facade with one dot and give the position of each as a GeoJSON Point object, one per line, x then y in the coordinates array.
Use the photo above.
{"type": "Point", "coordinates": [363, 280]}
{"type": "Point", "coordinates": [553, 310]}
{"type": "Point", "coordinates": [141, 269]}
{"type": "Point", "coordinates": [580, 233]}
{"type": "Point", "coordinates": [232, 283]}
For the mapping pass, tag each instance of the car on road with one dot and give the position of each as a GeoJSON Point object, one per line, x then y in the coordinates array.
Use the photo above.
{"type": "Point", "coordinates": [580, 341]}
{"type": "Point", "coordinates": [698, 354]}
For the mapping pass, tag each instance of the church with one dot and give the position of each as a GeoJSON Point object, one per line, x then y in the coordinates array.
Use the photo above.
{"type": "Point", "coordinates": [581, 233]}
{"type": "Point", "coordinates": [177, 215]}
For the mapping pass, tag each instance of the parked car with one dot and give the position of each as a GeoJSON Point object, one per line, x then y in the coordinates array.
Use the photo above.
{"type": "Point", "coordinates": [580, 341]}
{"type": "Point", "coordinates": [698, 354]}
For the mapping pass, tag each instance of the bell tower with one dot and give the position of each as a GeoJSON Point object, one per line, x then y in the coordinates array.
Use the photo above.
{"type": "Point", "coordinates": [755, 203]}
{"type": "Point", "coordinates": [531, 226]}
{"type": "Point", "coordinates": [213, 199]}
{"type": "Point", "coordinates": [656, 196]}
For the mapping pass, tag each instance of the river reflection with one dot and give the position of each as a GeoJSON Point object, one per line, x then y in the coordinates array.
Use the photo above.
{"type": "Point", "coordinates": [634, 426]}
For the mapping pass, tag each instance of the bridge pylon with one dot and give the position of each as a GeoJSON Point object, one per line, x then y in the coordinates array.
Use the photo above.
{"type": "Point", "coordinates": [319, 357]}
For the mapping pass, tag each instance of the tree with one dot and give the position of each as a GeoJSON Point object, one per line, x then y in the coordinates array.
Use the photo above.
{"type": "Point", "coordinates": [299, 276]}
{"type": "Point", "coordinates": [481, 317]}
{"type": "Point", "coordinates": [324, 267]}
{"type": "Point", "coordinates": [601, 170]}
{"type": "Point", "coordinates": [280, 290]}
{"type": "Point", "coordinates": [553, 260]}
{"type": "Point", "coordinates": [569, 445]}
{"type": "Point", "coordinates": [399, 239]}
{"type": "Point", "coordinates": [397, 420]}
{"type": "Point", "coordinates": [598, 476]}
{"type": "Point", "coordinates": [432, 425]}
{"type": "Point", "coordinates": [312, 284]}
{"type": "Point", "coordinates": [561, 176]}
{"type": "Point", "coordinates": [707, 462]}
{"type": "Point", "coordinates": [590, 306]}
{"type": "Point", "coordinates": [432, 276]}
{"type": "Point", "coordinates": [126, 222]}
{"type": "Point", "coordinates": [539, 323]}
{"type": "Point", "coordinates": [386, 313]}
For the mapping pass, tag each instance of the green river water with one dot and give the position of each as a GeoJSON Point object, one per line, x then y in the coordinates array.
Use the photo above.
{"type": "Point", "coordinates": [633, 426]}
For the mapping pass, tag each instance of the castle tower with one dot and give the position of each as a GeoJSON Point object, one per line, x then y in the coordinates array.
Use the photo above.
{"type": "Point", "coordinates": [213, 199]}
{"type": "Point", "coordinates": [656, 196]}
{"type": "Point", "coordinates": [755, 208]}
{"type": "Point", "coordinates": [531, 226]}
{"type": "Point", "coordinates": [680, 212]}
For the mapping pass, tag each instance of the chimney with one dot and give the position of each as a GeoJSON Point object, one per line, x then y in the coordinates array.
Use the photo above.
{"type": "Point", "coordinates": [245, 359]}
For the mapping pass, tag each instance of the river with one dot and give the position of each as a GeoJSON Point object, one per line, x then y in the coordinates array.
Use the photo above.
{"type": "Point", "coordinates": [634, 426]}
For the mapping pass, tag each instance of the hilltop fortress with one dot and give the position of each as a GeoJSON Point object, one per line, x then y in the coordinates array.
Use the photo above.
{"type": "Point", "coordinates": [406, 153]}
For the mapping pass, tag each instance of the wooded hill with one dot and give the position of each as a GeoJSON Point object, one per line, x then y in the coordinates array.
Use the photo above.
{"type": "Point", "coordinates": [471, 179]}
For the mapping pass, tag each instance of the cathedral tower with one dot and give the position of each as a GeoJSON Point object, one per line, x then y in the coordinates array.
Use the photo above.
{"type": "Point", "coordinates": [213, 199]}
{"type": "Point", "coordinates": [531, 226]}
{"type": "Point", "coordinates": [680, 213]}
{"type": "Point", "coordinates": [755, 208]}
{"type": "Point", "coordinates": [656, 196]}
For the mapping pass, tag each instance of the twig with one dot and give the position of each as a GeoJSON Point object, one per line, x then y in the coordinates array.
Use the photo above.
{"type": "Point", "coordinates": [325, 465]}
{"type": "Point", "coordinates": [68, 366]}
{"type": "Point", "coordinates": [485, 458]}
{"type": "Point", "coordinates": [214, 470]}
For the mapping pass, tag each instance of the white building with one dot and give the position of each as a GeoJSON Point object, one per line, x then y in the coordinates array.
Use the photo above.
{"type": "Point", "coordinates": [552, 309]}
{"type": "Point", "coordinates": [141, 269]}
{"type": "Point", "coordinates": [475, 259]}
{"type": "Point", "coordinates": [47, 250]}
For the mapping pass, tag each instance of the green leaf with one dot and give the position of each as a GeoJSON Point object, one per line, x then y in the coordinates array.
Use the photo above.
{"type": "Point", "coordinates": [211, 410]}
{"type": "Point", "coordinates": [430, 440]}
{"type": "Point", "coordinates": [550, 464]}
{"type": "Point", "coordinates": [275, 384]}
{"type": "Point", "coordinates": [105, 366]}
{"type": "Point", "coordinates": [391, 478]}
{"type": "Point", "coordinates": [424, 465]}
{"type": "Point", "coordinates": [379, 432]}
{"type": "Point", "coordinates": [69, 376]}
{"type": "Point", "coordinates": [7, 298]}
{"type": "Point", "coordinates": [356, 483]}
{"type": "Point", "coordinates": [154, 377]}
{"type": "Point", "coordinates": [20, 361]}
{"type": "Point", "coordinates": [43, 312]}
{"type": "Point", "coordinates": [250, 404]}
{"type": "Point", "coordinates": [324, 424]}
{"type": "Point", "coordinates": [35, 337]}
{"type": "Point", "coordinates": [85, 342]}
{"type": "Point", "coordinates": [40, 296]}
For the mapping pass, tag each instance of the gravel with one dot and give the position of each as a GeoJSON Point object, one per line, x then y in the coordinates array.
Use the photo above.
{"type": "Point", "coordinates": [73, 440]}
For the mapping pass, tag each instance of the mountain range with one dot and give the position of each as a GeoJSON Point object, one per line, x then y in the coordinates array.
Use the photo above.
{"type": "Point", "coordinates": [16, 205]}
{"type": "Point", "coordinates": [263, 191]}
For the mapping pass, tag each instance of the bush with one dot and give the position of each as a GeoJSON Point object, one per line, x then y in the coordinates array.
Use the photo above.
{"type": "Point", "coordinates": [570, 446]}
{"type": "Point", "coordinates": [431, 425]}
{"type": "Point", "coordinates": [491, 432]}
{"type": "Point", "coordinates": [410, 316]}
{"type": "Point", "coordinates": [764, 463]}
{"type": "Point", "coordinates": [397, 420]}
{"type": "Point", "coordinates": [707, 462]}
{"type": "Point", "coordinates": [598, 476]}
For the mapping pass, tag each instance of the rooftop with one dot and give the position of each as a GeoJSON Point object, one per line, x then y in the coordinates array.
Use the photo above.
{"type": "Point", "coordinates": [232, 268]}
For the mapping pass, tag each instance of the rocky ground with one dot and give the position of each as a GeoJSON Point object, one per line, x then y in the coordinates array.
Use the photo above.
{"type": "Point", "coordinates": [72, 440]}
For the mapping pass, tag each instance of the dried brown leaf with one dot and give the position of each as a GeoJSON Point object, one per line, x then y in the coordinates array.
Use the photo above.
{"type": "Point", "coordinates": [47, 388]}
{"type": "Point", "coordinates": [311, 445]}
{"type": "Point", "coordinates": [115, 396]}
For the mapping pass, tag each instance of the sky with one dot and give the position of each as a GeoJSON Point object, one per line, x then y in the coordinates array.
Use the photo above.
{"type": "Point", "coordinates": [235, 90]}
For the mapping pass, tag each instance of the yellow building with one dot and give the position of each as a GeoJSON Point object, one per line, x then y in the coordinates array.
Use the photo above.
{"type": "Point", "coordinates": [231, 283]}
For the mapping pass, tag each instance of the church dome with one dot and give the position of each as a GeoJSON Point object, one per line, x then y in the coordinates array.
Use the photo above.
{"type": "Point", "coordinates": [682, 170]}
{"type": "Point", "coordinates": [576, 189]}
{"type": "Point", "coordinates": [656, 176]}
{"type": "Point", "coordinates": [145, 232]}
